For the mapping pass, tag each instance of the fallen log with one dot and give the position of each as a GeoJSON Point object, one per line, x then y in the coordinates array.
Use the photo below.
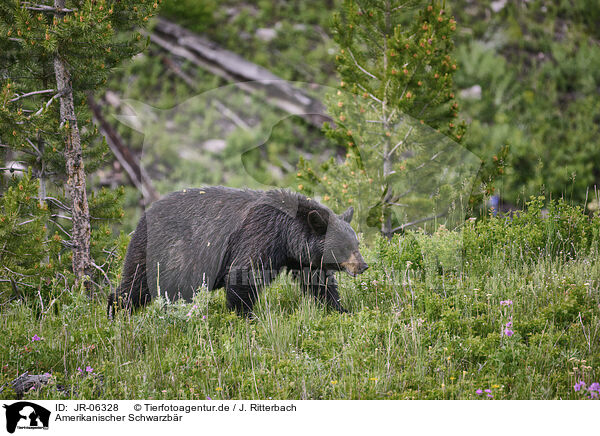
{"type": "Point", "coordinates": [248, 76]}
{"type": "Point", "coordinates": [26, 382]}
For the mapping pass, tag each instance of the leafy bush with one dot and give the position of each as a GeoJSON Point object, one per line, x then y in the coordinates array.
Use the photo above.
{"type": "Point", "coordinates": [561, 230]}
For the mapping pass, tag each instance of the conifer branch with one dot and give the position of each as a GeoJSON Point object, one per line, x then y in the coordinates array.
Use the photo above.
{"type": "Point", "coordinates": [20, 151]}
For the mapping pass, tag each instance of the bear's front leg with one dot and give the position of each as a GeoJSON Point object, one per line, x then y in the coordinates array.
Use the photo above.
{"type": "Point", "coordinates": [241, 298]}
{"type": "Point", "coordinates": [332, 295]}
{"type": "Point", "coordinates": [322, 286]}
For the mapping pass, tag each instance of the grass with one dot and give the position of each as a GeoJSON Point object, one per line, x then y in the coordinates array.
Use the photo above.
{"type": "Point", "coordinates": [423, 327]}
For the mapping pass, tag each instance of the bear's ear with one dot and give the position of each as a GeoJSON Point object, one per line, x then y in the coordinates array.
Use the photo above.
{"type": "Point", "coordinates": [317, 223]}
{"type": "Point", "coordinates": [347, 216]}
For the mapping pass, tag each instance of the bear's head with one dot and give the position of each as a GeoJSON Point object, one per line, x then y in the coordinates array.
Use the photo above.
{"type": "Point", "coordinates": [338, 241]}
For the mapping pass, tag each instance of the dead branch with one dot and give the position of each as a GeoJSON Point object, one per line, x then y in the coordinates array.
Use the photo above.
{"type": "Point", "coordinates": [46, 8]}
{"type": "Point", "coordinates": [29, 94]}
{"type": "Point", "coordinates": [414, 223]}
{"type": "Point", "coordinates": [128, 161]}
{"type": "Point", "coordinates": [231, 115]}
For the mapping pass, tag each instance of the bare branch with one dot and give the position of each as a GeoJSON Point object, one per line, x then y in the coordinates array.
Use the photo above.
{"type": "Point", "coordinates": [29, 94]}
{"type": "Point", "coordinates": [125, 157]}
{"type": "Point", "coordinates": [46, 106]}
{"type": "Point", "coordinates": [231, 115]}
{"type": "Point", "coordinates": [419, 221]}
{"type": "Point", "coordinates": [61, 228]}
{"type": "Point", "coordinates": [179, 72]}
{"type": "Point", "coordinates": [359, 67]}
{"type": "Point", "coordinates": [12, 169]}
{"type": "Point", "coordinates": [104, 274]}
{"type": "Point", "coordinates": [430, 160]}
{"type": "Point", "coordinates": [16, 273]}
{"type": "Point", "coordinates": [59, 203]}
{"type": "Point", "coordinates": [26, 222]}
{"type": "Point", "coordinates": [45, 8]}
{"type": "Point", "coordinates": [230, 66]}
{"type": "Point", "coordinates": [370, 95]}
{"type": "Point", "coordinates": [16, 282]}
{"type": "Point", "coordinates": [34, 146]}
{"type": "Point", "coordinates": [401, 142]}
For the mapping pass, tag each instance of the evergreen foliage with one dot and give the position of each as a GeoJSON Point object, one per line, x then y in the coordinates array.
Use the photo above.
{"type": "Point", "coordinates": [30, 256]}
{"type": "Point", "coordinates": [396, 114]}
{"type": "Point", "coordinates": [90, 37]}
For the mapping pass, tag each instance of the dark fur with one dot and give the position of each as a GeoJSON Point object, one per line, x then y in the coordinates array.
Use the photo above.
{"type": "Point", "coordinates": [239, 240]}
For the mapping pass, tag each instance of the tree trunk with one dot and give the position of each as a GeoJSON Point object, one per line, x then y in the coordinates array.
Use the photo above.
{"type": "Point", "coordinates": [386, 225]}
{"type": "Point", "coordinates": [76, 186]}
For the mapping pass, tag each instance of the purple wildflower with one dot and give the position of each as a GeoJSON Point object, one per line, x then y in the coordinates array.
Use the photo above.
{"type": "Point", "coordinates": [490, 396]}
{"type": "Point", "coordinates": [203, 316]}
{"type": "Point", "coordinates": [509, 324]}
{"type": "Point", "coordinates": [489, 391]}
{"type": "Point", "coordinates": [479, 392]}
{"type": "Point", "coordinates": [594, 387]}
{"type": "Point", "coordinates": [506, 303]}
{"type": "Point", "coordinates": [80, 370]}
{"type": "Point", "coordinates": [508, 332]}
{"type": "Point", "coordinates": [89, 369]}
{"type": "Point", "coordinates": [208, 398]}
{"type": "Point", "coordinates": [579, 385]}
{"type": "Point", "coordinates": [35, 338]}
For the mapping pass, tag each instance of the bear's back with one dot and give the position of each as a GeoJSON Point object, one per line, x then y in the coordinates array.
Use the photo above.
{"type": "Point", "coordinates": [188, 233]}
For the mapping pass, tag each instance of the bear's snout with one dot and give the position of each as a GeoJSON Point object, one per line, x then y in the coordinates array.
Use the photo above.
{"type": "Point", "coordinates": [362, 268]}
{"type": "Point", "coordinates": [355, 264]}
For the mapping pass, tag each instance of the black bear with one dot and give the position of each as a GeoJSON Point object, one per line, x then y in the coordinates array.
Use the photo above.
{"type": "Point", "coordinates": [237, 239]}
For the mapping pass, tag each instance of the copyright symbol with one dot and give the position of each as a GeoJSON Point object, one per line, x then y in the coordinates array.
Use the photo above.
{"type": "Point", "coordinates": [137, 407]}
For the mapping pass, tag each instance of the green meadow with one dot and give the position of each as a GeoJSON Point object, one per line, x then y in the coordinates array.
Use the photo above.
{"type": "Point", "coordinates": [509, 305]}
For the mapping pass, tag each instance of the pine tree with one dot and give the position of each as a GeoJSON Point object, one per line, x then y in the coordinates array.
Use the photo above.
{"type": "Point", "coordinates": [28, 257]}
{"type": "Point", "coordinates": [394, 109]}
{"type": "Point", "coordinates": [53, 54]}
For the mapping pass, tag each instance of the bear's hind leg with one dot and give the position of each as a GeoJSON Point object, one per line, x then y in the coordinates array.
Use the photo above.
{"type": "Point", "coordinates": [133, 291]}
